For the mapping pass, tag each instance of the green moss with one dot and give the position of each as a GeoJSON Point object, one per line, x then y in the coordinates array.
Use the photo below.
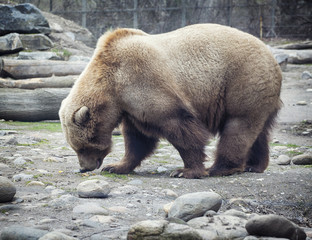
{"type": "Point", "coordinates": [37, 126]}
{"type": "Point", "coordinates": [114, 175]}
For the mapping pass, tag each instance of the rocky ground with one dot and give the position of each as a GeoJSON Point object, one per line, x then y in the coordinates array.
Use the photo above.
{"type": "Point", "coordinates": [36, 157]}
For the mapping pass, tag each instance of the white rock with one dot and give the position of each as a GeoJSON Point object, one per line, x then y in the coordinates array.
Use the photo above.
{"type": "Point", "coordinates": [93, 189]}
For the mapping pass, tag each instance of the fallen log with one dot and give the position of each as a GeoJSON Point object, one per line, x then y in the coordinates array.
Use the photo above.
{"type": "Point", "coordinates": [31, 105]}
{"type": "Point", "coordinates": [33, 83]}
{"type": "Point", "coordinates": [21, 69]}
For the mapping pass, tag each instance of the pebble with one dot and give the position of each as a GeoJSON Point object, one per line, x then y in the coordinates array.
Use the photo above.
{"type": "Point", "coordinates": [22, 177]}
{"type": "Point", "coordinates": [193, 205]}
{"type": "Point", "coordinates": [274, 226]}
{"type": "Point", "coordinates": [169, 193]}
{"type": "Point", "coordinates": [7, 190]}
{"type": "Point", "coordinates": [21, 232]}
{"type": "Point", "coordinates": [303, 159]}
{"type": "Point", "coordinates": [301, 103]}
{"type": "Point", "coordinates": [162, 169]}
{"type": "Point", "coordinates": [93, 189]}
{"type": "Point", "coordinates": [19, 161]}
{"type": "Point", "coordinates": [90, 208]}
{"type": "Point", "coordinates": [283, 160]}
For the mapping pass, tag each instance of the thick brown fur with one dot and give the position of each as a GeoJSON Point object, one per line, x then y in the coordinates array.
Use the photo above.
{"type": "Point", "coordinates": [183, 86]}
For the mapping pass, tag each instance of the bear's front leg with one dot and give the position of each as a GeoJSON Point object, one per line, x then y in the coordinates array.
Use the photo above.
{"type": "Point", "coordinates": [137, 147]}
{"type": "Point", "coordinates": [189, 136]}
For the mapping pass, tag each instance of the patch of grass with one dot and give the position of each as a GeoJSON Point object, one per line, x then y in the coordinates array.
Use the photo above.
{"type": "Point", "coordinates": [114, 175]}
{"type": "Point", "coordinates": [284, 145]}
{"type": "Point", "coordinates": [37, 126]}
{"type": "Point", "coordinates": [293, 153]}
{"type": "Point", "coordinates": [42, 141]}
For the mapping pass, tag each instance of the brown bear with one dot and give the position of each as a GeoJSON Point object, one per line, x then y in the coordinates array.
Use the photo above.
{"type": "Point", "coordinates": [184, 86]}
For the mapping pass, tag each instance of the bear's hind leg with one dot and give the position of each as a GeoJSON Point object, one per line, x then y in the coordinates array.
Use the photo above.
{"type": "Point", "coordinates": [236, 138]}
{"type": "Point", "coordinates": [137, 147]}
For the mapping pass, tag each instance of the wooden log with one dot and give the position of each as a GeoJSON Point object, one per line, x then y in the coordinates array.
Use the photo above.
{"type": "Point", "coordinates": [31, 105]}
{"type": "Point", "coordinates": [33, 83]}
{"type": "Point", "coordinates": [21, 69]}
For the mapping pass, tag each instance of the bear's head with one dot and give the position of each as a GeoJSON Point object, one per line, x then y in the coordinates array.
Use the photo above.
{"type": "Point", "coordinates": [88, 132]}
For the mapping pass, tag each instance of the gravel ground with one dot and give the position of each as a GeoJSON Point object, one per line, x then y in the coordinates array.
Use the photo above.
{"type": "Point", "coordinates": [283, 190]}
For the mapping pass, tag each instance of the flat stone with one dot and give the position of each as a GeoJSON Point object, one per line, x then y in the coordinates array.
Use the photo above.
{"type": "Point", "coordinates": [274, 226]}
{"type": "Point", "coordinates": [21, 232]}
{"type": "Point", "coordinates": [302, 159]}
{"type": "Point", "coordinates": [36, 183]}
{"type": "Point", "coordinates": [7, 190]}
{"type": "Point", "coordinates": [90, 208]}
{"type": "Point", "coordinates": [194, 205]}
{"type": "Point", "coordinates": [93, 189]}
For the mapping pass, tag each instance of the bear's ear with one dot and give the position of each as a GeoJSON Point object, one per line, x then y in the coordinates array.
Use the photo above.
{"type": "Point", "coordinates": [82, 115]}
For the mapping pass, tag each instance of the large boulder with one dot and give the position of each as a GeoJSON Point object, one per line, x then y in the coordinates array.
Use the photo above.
{"type": "Point", "coordinates": [22, 18]}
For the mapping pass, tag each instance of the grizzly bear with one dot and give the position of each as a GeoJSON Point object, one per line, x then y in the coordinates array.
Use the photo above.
{"type": "Point", "coordinates": [184, 86]}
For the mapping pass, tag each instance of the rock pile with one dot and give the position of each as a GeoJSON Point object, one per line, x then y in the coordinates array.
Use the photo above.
{"type": "Point", "coordinates": [194, 216]}
{"type": "Point", "coordinates": [38, 48]}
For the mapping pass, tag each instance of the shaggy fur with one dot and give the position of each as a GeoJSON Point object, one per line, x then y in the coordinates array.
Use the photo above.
{"type": "Point", "coordinates": [183, 86]}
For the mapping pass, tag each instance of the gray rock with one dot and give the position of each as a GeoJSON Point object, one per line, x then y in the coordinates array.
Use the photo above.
{"type": "Point", "coordinates": [283, 160]}
{"type": "Point", "coordinates": [93, 189]}
{"type": "Point", "coordinates": [10, 43]}
{"type": "Point", "coordinates": [22, 177]}
{"type": "Point", "coordinates": [303, 159]}
{"type": "Point", "coordinates": [22, 233]}
{"type": "Point", "coordinates": [274, 226]}
{"type": "Point", "coordinates": [36, 41]}
{"type": "Point", "coordinates": [90, 208]}
{"type": "Point", "coordinates": [56, 236]}
{"type": "Point", "coordinates": [22, 18]}
{"type": "Point", "coordinates": [194, 205]}
{"type": "Point", "coordinates": [11, 141]}
{"type": "Point", "coordinates": [64, 201]}
{"type": "Point", "coordinates": [306, 75]}
{"type": "Point", "coordinates": [7, 190]}
{"type": "Point", "coordinates": [169, 193]}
